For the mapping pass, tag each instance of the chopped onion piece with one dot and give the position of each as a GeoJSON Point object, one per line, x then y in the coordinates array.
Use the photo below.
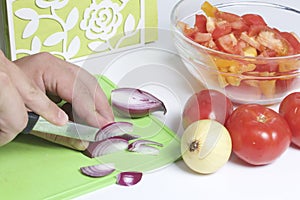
{"type": "Point", "coordinates": [144, 149]}
{"type": "Point", "coordinates": [143, 146]}
{"type": "Point", "coordinates": [114, 129]}
{"type": "Point", "coordinates": [99, 170]}
{"type": "Point", "coordinates": [129, 178]}
{"type": "Point", "coordinates": [129, 137]}
{"type": "Point", "coordinates": [137, 143]}
{"type": "Point", "coordinates": [135, 103]}
{"type": "Point", "coordinates": [106, 146]}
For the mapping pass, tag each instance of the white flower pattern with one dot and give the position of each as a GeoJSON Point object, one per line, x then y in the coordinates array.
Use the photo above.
{"type": "Point", "coordinates": [57, 4]}
{"type": "Point", "coordinates": [101, 21]}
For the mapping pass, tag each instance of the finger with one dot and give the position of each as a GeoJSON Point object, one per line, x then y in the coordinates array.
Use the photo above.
{"type": "Point", "coordinates": [13, 113]}
{"type": "Point", "coordinates": [34, 98]}
{"type": "Point", "coordinates": [56, 99]}
{"type": "Point", "coordinates": [89, 101]}
{"type": "Point", "coordinates": [73, 84]}
{"type": "Point", "coordinates": [65, 141]}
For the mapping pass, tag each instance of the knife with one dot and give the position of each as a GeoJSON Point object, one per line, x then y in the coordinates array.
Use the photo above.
{"type": "Point", "coordinates": [70, 129]}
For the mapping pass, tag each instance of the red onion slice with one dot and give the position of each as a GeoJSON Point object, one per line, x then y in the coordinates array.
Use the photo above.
{"type": "Point", "coordinates": [129, 178]}
{"type": "Point", "coordinates": [114, 129]}
{"type": "Point", "coordinates": [138, 143]}
{"type": "Point", "coordinates": [143, 146]}
{"type": "Point", "coordinates": [135, 103]}
{"type": "Point", "coordinates": [129, 137]}
{"type": "Point", "coordinates": [99, 170]}
{"type": "Point", "coordinates": [144, 149]}
{"type": "Point", "coordinates": [107, 146]}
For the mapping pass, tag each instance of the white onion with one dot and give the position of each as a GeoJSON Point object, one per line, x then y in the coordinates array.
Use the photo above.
{"type": "Point", "coordinates": [206, 146]}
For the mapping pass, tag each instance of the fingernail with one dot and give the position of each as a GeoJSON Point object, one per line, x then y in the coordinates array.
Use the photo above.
{"type": "Point", "coordinates": [63, 117]}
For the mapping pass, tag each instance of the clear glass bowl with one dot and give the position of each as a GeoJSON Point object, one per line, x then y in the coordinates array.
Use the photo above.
{"type": "Point", "coordinates": [240, 85]}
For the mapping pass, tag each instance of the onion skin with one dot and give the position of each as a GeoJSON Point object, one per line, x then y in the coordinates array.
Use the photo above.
{"type": "Point", "coordinates": [206, 146]}
{"type": "Point", "coordinates": [129, 178]}
{"type": "Point", "coordinates": [99, 170]}
{"type": "Point", "coordinates": [107, 146]}
{"type": "Point", "coordinates": [135, 103]}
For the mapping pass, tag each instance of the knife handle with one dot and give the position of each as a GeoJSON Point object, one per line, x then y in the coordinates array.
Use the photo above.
{"type": "Point", "coordinates": [32, 119]}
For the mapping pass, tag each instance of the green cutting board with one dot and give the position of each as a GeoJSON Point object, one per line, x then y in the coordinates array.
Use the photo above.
{"type": "Point", "coordinates": [32, 168]}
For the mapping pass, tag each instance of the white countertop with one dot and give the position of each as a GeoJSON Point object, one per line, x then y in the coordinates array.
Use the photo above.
{"type": "Point", "coordinates": [234, 181]}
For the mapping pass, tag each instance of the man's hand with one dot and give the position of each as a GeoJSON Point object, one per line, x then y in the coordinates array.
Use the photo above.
{"type": "Point", "coordinates": [25, 83]}
{"type": "Point", "coordinates": [18, 94]}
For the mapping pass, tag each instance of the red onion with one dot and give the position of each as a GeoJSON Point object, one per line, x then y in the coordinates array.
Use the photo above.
{"type": "Point", "coordinates": [129, 178]}
{"type": "Point", "coordinates": [143, 146]}
{"type": "Point", "coordinates": [107, 146]}
{"type": "Point", "coordinates": [99, 170]}
{"type": "Point", "coordinates": [135, 103]}
{"type": "Point", "coordinates": [114, 129]}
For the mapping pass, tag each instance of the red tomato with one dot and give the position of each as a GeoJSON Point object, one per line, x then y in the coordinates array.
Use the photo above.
{"type": "Point", "coordinates": [239, 26]}
{"type": "Point", "coordinates": [270, 67]}
{"type": "Point", "coordinates": [286, 49]}
{"type": "Point", "coordinates": [256, 29]}
{"type": "Point", "coordinates": [229, 17]}
{"type": "Point", "coordinates": [285, 85]}
{"type": "Point", "coordinates": [292, 40]}
{"type": "Point", "coordinates": [201, 23]}
{"type": "Point", "coordinates": [259, 134]}
{"type": "Point", "coordinates": [202, 37]}
{"type": "Point", "coordinates": [207, 104]}
{"type": "Point", "coordinates": [227, 43]}
{"type": "Point", "coordinates": [290, 109]}
{"type": "Point", "coordinates": [253, 19]}
{"type": "Point", "coordinates": [189, 32]}
{"type": "Point", "coordinates": [221, 30]}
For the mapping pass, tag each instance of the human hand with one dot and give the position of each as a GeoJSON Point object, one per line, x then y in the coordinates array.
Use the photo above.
{"type": "Point", "coordinates": [63, 80]}
{"type": "Point", "coordinates": [18, 94]}
{"type": "Point", "coordinates": [46, 73]}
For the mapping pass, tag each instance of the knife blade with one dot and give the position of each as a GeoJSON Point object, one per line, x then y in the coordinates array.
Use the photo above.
{"type": "Point", "coordinates": [70, 129]}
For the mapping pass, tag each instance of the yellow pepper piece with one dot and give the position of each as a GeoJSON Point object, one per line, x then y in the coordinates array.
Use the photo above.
{"type": "Point", "coordinates": [233, 80]}
{"type": "Point", "coordinates": [289, 65]}
{"type": "Point", "coordinates": [224, 63]}
{"type": "Point", "coordinates": [222, 81]}
{"type": "Point", "coordinates": [209, 9]}
{"type": "Point", "coordinates": [268, 88]}
{"type": "Point", "coordinates": [252, 83]}
{"type": "Point", "coordinates": [250, 51]}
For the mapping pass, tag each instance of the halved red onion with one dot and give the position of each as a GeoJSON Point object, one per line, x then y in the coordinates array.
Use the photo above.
{"type": "Point", "coordinates": [135, 103]}
{"type": "Point", "coordinates": [99, 170]}
{"type": "Point", "coordinates": [114, 129]}
{"type": "Point", "coordinates": [107, 146]}
{"type": "Point", "coordinates": [129, 178]}
{"type": "Point", "coordinates": [143, 146]}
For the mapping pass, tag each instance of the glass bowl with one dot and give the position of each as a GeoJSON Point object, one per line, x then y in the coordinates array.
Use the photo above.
{"type": "Point", "coordinates": [244, 79]}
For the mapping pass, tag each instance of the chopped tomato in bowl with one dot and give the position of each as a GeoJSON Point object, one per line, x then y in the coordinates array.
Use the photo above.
{"type": "Point", "coordinates": [244, 49]}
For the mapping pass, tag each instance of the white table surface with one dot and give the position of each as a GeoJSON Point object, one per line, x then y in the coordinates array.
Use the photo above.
{"type": "Point", "coordinates": [234, 181]}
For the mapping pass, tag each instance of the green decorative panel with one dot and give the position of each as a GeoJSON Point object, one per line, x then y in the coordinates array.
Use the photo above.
{"type": "Point", "coordinates": [74, 29]}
